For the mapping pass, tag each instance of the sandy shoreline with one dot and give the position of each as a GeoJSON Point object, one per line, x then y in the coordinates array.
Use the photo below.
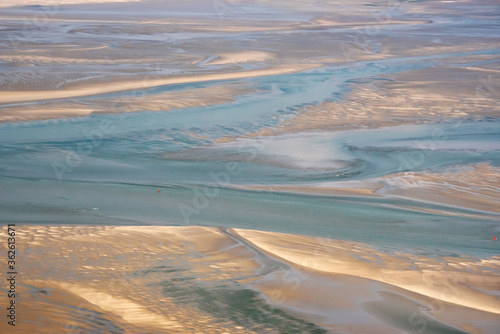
{"type": "Point", "coordinates": [315, 35]}
{"type": "Point", "coordinates": [100, 267]}
{"type": "Point", "coordinates": [197, 97]}
{"type": "Point", "coordinates": [431, 95]}
{"type": "Point", "coordinates": [98, 89]}
{"type": "Point", "coordinates": [328, 256]}
{"type": "Point", "coordinates": [475, 187]}
{"type": "Point", "coordinates": [308, 117]}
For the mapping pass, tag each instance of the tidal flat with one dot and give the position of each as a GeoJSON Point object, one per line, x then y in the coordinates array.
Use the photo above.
{"type": "Point", "coordinates": [224, 166]}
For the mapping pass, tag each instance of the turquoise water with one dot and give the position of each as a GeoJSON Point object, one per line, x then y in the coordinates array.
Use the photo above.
{"type": "Point", "coordinates": [110, 167]}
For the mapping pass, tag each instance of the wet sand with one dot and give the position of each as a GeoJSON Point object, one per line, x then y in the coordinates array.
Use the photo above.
{"type": "Point", "coordinates": [474, 187]}
{"type": "Point", "coordinates": [97, 89]}
{"type": "Point", "coordinates": [422, 63]}
{"type": "Point", "coordinates": [149, 278]}
{"type": "Point", "coordinates": [442, 94]}
{"type": "Point", "coordinates": [168, 51]}
{"type": "Point", "coordinates": [126, 103]}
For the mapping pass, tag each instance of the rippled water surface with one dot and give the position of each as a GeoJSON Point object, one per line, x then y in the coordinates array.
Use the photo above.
{"type": "Point", "coordinates": [111, 166]}
{"type": "Point", "coordinates": [253, 167]}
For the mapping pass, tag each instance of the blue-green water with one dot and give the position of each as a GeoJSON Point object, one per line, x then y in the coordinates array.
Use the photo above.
{"type": "Point", "coordinates": [110, 168]}
{"type": "Point", "coordinates": [398, 188]}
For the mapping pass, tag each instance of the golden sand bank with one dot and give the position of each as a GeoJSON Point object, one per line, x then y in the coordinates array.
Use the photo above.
{"type": "Point", "coordinates": [139, 279]}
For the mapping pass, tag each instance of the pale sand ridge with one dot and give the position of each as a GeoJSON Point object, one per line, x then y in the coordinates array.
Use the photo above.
{"type": "Point", "coordinates": [241, 57]}
{"type": "Point", "coordinates": [96, 89]}
{"type": "Point", "coordinates": [334, 257]}
{"type": "Point", "coordinates": [120, 271]}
